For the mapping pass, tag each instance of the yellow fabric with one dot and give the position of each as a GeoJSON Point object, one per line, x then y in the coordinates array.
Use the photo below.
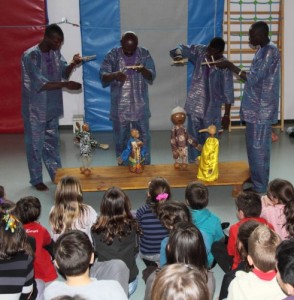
{"type": "Point", "coordinates": [208, 161]}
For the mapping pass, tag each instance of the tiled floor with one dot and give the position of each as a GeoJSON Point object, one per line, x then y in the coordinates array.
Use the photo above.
{"type": "Point", "coordinates": [15, 178]}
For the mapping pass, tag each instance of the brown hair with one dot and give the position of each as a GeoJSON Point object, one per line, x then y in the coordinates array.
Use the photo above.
{"type": "Point", "coordinates": [179, 281]}
{"type": "Point", "coordinates": [115, 218]}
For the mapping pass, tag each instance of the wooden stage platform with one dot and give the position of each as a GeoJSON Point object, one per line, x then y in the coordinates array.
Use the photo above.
{"type": "Point", "coordinates": [231, 173]}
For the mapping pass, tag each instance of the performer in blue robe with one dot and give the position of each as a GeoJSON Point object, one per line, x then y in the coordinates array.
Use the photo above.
{"type": "Point", "coordinates": [43, 69]}
{"type": "Point", "coordinates": [260, 102]}
{"type": "Point", "coordinates": [128, 70]}
{"type": "Point", "coordinates": [210, 88]}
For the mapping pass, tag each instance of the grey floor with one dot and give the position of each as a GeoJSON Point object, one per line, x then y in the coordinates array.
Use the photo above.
{"type": "Point", "coordinates": [15, 178]}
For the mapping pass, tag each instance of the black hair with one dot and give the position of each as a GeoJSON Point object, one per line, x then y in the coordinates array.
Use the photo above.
{"type": "Point", "coordinates": [260, 27]}
{"type": "Point", "coordinates": [53, 29]}
{"type": "Point", "coordinates": [73, 252]}
{"type": "Point", "coordinates": [249, 203]}
{"type": "Point", "coordinates": [217, 43]}
{"type": "Point", "coordinates": [285, 261]}
{"type": "Point", "coordinates": [197, 195]}
{"type": "Point", "coordinates": [28, 209]}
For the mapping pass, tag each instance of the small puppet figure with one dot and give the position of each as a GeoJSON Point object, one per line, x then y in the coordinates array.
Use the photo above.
{"type": "Point", "coordinates": [180, 138]}
{"type": "Point", "coordinates": [134, 153]}
{"type": "Point", "coordinates": [87, 143]}
{"type": "Point", "coordinates": [208, 160]}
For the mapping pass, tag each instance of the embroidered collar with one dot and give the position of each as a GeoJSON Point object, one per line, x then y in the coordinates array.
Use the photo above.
{"type": "Point", "coordinates": [268, 276]}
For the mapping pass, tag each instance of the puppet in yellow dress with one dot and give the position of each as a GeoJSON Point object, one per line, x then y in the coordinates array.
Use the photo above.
{"type": "Point", "coordinates": [208, 160]}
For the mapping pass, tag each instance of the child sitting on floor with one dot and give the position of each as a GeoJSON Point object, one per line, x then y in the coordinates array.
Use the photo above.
{"type": "Point", "coordinates": [261, 282]}
{"type": "Point", "coordinates": [208, 223]}
{"type": "Point", "coordinates": [278, 207]}
{"type": "Point", "coordinates": [28, 210]}
{"type": "Point", "coordinates": [285, 267]}
{"type": "Point", "coordinates": [248, 206]}
{"type": "Point", "coordinates": [153, 232]}
{"type": "Point", "coordinates": [73, 255]}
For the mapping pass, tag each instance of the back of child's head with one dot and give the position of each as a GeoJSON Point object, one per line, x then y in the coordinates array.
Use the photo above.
{"type": "Point", "coordinates": [115, 203]}
{"type": "Point", "coordinates": [65, 297]}
{"type": "Point", "coordinates": [73, 253]}
{"type": "Point", "coordinates": [249, 203]}
{"type": "Point", "coordinates": [186, 245]}
{"type": "Point", "coordinates": [281, 190]}
{"type": "Point", "coordinates": [262, 245]}
{"type": "Point", "coordinates": [196, 194]}
{"type": "Point", "coordinates": [115, 218]}
{"type": "Point", "coordinates": [28, 209]}
{"type": "Point", "coordinates": [244, 233]}
{"type": "Point", "coordinates": [285, 261]}
{"type": "Point", "coordinates": [6, 206]}
{"type": "Point", "coordinates": [68, 204]}
{"type": "Point", "coordinates": [13, 238]}
{"type": "Point", "coordinates": [158, 192]}
{"type": "Point", "coordinates": [68, 189]}
{"type": "Point", "coordinates": [173, 212]}
{"type": "Point", "coordinates": [179, 282]}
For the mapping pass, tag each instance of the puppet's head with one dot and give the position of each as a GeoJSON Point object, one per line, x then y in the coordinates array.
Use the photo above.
{"type": "Point", "coordinates": [178, 116]}
{"type": "Point", "coordinates": [135, 133]}
{"type": "Point", "coordinates": [85, 127]}
{"type": "Point", "coordinates": [211, 129]}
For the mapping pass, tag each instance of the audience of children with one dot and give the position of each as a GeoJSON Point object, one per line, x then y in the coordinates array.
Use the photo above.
{"type": "Point", "coordinates": [185, 245]}
{"type": "Point", "coordinates": [73, 255]}
{"type": "Point", "coordinates": [248, 257]}
{"type": "Point", "coordinates": [153, 232]}
{"type": "Point", "coordinates": [180, 281]}
{"type": "Point", "coordinates": [69, 212]}
{"type": "Point", "coordinates": [261, 282]}
{"type": "Point", "coordinates": [285, 267]}
{"type": "Point", "coordinates": [278, 207]}
{"type": "Point", "coordinates": [16, 261]}
{"type": "Point", "coordinates": [196, 195]}
{"type": "Point", "coordinates": [28, 210]}
{"type": "Point", "coordinates": [248, 206]}
{"type": "Point", "coordinates": [116, 233]}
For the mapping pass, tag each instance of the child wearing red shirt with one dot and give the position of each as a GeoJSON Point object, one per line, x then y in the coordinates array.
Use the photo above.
{"type": "Point", "coordinates": [28, 210]}
{"type": "Point", "coordinates": [248, 206]}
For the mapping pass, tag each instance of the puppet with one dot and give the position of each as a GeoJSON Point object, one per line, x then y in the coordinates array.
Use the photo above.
{"type": "Point", "coordinates": [86, 142]}
{"type": "Point", "coordinates": [208, 160]}
{"type": "Point", "coordinates": [180, 138]}
{"type": "Point", "coordinates": [134, 154]}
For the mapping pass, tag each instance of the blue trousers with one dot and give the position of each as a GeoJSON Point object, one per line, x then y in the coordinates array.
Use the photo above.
{"type": "Point", "coordinates": [42, 144]}
{"type": "Point", "coordinates": [194, 125]}
{"type": "Point", "coordinates": [122, 131]}
{"type": "Point", "coordinates": [258, 143]}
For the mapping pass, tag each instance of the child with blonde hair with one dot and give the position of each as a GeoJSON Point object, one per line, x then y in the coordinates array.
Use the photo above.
{"type": "Point", "coordinates": [261, 282]}
{"type": "Point", "coordinates": [69, 212]}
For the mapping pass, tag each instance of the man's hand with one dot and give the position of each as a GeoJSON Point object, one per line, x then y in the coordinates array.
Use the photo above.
{"type": "Point", "coordinates": [226, 122]}
{"type": "Point", "coordinates": [77, 59]}
{"type": "Point", "coordinates": [73, 85]}
{"type": "Point", "coordinates": [120, 76]}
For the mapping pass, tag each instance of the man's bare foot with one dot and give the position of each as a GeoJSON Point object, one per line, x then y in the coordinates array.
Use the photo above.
{"type": "Point", "coordinates": [41, 186]}
{"type": "Point", "coordinates": [274, 137]}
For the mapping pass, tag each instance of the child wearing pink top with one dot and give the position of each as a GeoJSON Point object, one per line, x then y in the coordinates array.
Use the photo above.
{"type": "Point", "coordinates": [278, 207]}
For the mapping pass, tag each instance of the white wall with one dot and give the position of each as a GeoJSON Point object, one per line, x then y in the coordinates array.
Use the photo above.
{"type": "Point", "coordinates": [74, 103]}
